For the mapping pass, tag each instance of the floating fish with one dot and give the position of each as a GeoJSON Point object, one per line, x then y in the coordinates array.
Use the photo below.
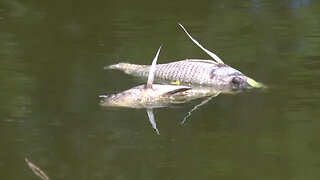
{"type": "Point", "coordinates": [151, 95]}
{"type": "Point", "coordinates": [214, 74]}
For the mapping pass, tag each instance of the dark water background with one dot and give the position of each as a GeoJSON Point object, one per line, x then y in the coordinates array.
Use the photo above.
{"type": "Point", "coordinates": [52, 55]}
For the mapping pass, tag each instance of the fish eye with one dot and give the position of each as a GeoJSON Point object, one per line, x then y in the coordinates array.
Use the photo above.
{"type": "Point", "coordinates": [236, 80]}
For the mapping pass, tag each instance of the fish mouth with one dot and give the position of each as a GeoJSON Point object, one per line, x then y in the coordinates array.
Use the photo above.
{"type": "Point", "coordinates": [239, 85]}
{"type": "Point", "coordinates": [249, 84]}
{"type": "Point", "coordinates": [107, 100]}
{"type": "Point", "coordinates": [254, 84]}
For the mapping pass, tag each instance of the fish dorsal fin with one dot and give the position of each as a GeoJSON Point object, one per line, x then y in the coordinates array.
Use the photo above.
{"type": "Point", "coordinates": [214, 56]}
{"type": "Point", "coordinates": [152, 70]}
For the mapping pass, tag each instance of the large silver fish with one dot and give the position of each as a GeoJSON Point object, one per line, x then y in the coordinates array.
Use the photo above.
{"type": "Point", "coordinates": [214, 74]}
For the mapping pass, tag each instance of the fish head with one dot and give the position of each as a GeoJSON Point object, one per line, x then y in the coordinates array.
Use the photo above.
{"type": "Point", "coordinates": [128, 98]}
{"type": "Point", "coordinates": [230, 79]}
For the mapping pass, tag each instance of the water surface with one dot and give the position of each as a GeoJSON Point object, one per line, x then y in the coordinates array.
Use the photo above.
{"type": "Point", "coordinates": [52, 56]}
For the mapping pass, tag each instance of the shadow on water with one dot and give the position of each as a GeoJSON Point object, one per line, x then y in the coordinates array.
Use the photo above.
{"type": "Point", "coordinates": [52, 54]}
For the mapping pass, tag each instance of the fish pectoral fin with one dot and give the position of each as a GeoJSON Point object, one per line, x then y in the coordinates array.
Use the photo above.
{"type": "Point", "coordinates": [198, 106]}
{"type": "Point", "coordinates": [214, 56]}
{"type": "Point", "coordinates": [179, 90]}
{"type": "Point", "coordinates": [177, 82]}
{"type": "Point", "coordinates": [152, 120]}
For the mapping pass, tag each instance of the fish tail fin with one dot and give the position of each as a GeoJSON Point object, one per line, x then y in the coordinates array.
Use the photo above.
{"type": "Point", "coordinates": [104, 96]}
{"type": "Point", "coordinates": [118, 66]}
{"type": "Point", "coordinates": [132, 69]}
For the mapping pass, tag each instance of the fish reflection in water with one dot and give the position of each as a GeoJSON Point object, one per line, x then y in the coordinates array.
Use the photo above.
{"type": "Point", "coordinates": [151, 95]}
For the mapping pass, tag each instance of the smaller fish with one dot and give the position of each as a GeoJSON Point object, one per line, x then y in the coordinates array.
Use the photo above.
{"type": "Point", "coordinates": [151, 95]}
{"type": "Point", "coordinates": [147, 96]}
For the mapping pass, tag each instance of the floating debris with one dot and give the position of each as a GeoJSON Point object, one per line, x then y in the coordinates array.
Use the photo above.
{"type": "Point", "coordinates": [36, 170]}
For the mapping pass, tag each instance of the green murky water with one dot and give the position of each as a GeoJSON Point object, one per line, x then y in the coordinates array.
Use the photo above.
{"type": "Point", "coordinates": [52, 56]}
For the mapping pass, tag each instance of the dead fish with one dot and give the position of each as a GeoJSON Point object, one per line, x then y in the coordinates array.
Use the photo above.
{"type": "Point", "coordinates": [147, 96]}
{"type": "Point", "coordinates": [214, 74]}
{"type": "Point", "coordinates": [151, 95]}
